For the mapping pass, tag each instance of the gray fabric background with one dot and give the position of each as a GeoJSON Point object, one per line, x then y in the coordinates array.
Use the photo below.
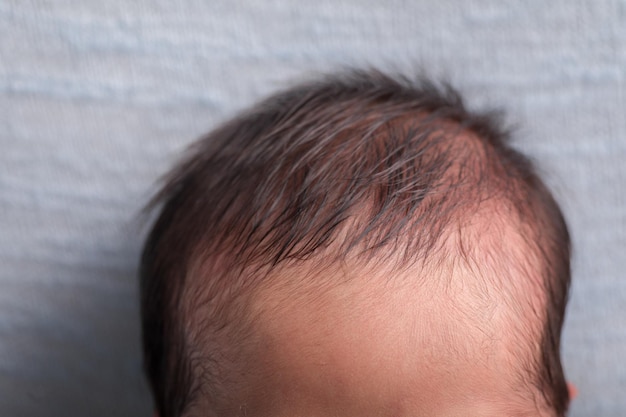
{"type": "Point", "coordinates": [97, 98]}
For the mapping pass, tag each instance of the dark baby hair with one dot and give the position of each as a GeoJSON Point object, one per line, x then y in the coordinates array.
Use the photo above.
{"type": "Point", "coordinates": [275, 185]}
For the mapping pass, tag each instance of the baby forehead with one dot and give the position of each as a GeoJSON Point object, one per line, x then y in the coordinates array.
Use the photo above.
{"type": "Point", "coordinates": [385, 330]}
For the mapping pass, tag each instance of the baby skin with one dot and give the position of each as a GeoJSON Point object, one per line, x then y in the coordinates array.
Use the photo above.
{"type": "Point", "coordinates": [425, 340]}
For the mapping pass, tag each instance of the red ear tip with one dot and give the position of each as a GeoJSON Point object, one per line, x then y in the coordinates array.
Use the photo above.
{"type": "Point", "coordinates": [573, 391]}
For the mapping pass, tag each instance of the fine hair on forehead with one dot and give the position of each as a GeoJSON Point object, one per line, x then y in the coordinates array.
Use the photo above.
{"type": "Point", "coordinates": [379, 167]}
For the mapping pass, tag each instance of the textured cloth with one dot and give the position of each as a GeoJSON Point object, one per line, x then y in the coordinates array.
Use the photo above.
{"type": "Point", "coordinates": [97, 98]}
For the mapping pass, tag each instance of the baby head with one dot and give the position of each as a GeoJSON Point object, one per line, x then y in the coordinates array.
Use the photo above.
{"type": "Point", "coordinates": [360, 245]}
